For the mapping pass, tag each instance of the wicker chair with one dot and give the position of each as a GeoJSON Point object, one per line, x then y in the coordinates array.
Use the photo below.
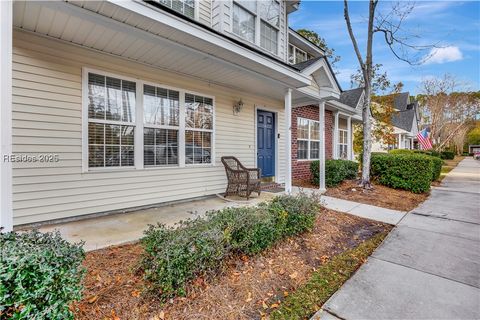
{"type": "Point", "coordinates": [242, 181]}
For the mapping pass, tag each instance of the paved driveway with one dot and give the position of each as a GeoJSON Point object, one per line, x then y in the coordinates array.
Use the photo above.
{"type": "Point", "coordinates": [429, 266]}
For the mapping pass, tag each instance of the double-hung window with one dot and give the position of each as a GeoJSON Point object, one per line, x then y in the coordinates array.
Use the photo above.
{"type": "Point", "coordinates": [342, 144]}
{"type": "Point", "coordinates": [185, 7]}
{"type": "Point", "coordinates": [308, 139]}
{"type": "Point", "coordinates": [172, 121]}
{"type": "Point", "coordinates": [257, 17]}
{"type": "Point", "coordinates": [161, 110]}
{"type": "Point", "coordinates": [269, 12]}
{"type": "Point", "coordinates": [111, 121]}
{"type": "Point", "coordinates": [198, 129]}
{"type": "Point", "coordinates": [244, 20]}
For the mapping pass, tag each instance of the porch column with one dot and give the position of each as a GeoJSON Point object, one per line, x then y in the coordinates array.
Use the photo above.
{"type": "Point", "coordinates": [399, 141]}
{"type": "Point", "coordinates": [321, 111]}
{"type": "Point", "coordinates": [6, 211]}
{"type": "Point", "coordinates": [335, 136]}
{"type": "Point", "coordinates": [349, 138]}
{"type": "Point", "coordinates": [288, 141]}
{"type": "Point", "coordinates": [411, 144]}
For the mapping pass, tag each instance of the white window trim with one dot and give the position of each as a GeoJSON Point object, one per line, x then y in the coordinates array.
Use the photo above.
{"type": "Point", "coordinates": [295, 49]}
{"type": "Point", "coordinates": [258, 20]}
{"type": "Point", "coordinates": [139, 125]}
{"type": "Point", "coordinates": [309, 139]}
{"type": "Point", "coordinates": [340, 132]}
{"type": "Point", "coordinates": [195, 10]}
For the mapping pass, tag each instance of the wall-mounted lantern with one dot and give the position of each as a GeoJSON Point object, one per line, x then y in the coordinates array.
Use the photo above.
{"type": "Point", "coordinates": [237, 107]}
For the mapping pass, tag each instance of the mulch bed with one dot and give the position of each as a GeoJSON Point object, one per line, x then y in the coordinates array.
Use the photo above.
{"type": "Point", "coordinates": [247, 288]}
{"type": "Point", "coordinates": [380, 196]}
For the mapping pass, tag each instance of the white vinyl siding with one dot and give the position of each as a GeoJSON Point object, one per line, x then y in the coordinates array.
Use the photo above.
{"type": "Point", "coordinates": [47, 118]}
{"type": "Point", "coordinates": [205, 12]}
{"type": "Point", "coordinates": [308, 139]}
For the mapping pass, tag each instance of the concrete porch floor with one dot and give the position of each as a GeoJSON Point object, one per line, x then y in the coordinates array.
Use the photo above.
{"type": "Point", "coordinates": [103, 231]}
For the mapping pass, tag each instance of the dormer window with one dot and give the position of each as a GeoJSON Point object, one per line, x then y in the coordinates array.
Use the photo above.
{"type": "Point", "coordinates": [257, 22]}
{"type": "Point", "coordinates": [185, 7]}
{"type": "Point", "coordinates": [296, 55]}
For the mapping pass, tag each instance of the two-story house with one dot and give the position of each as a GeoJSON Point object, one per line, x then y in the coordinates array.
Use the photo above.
{"type": "Point", "coordinates": [108, 106]}
{"type": "Point", "coordinates": [405, 122]}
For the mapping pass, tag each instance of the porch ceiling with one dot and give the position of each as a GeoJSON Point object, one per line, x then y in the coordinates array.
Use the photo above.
{"type": "Point", "coordinates": [116, 30]}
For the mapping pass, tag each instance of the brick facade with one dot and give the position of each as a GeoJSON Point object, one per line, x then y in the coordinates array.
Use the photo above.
{"type": "Point", "coordinates": [301, 169]}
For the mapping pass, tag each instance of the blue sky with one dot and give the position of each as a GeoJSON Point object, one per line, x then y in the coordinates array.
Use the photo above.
{"type": "Point", "coordinates": [454, 26]}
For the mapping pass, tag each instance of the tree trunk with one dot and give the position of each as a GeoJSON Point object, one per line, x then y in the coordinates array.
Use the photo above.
{"type": "Point", "coordinates": [366, 114]}
{"type": "Point", "coordinates": [367, 139]}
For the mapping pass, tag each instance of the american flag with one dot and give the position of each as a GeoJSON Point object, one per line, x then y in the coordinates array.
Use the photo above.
{"type": "Point", "coordinates": [423, 138]}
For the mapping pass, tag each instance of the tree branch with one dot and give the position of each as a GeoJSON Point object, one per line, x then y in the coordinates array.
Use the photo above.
{"type": "Point", "coordinates": [352, 36]}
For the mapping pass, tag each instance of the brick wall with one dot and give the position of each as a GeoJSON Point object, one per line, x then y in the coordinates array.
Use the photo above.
{"type": "Point", "coordinates": [301, 169]}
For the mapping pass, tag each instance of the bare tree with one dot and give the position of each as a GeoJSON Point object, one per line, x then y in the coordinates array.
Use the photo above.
{"type": "Point", "coordinates": [448, 109]}
{"type": "Point", "coordinates": [397, 39]}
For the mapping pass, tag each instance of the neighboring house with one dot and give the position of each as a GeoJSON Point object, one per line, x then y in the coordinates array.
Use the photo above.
{"type": "Point", "coordinates": [109, 106]}
{"type": "Point", "coordinates": [405, 121]}
{"type": "Point", "coordinates": [340, 112]}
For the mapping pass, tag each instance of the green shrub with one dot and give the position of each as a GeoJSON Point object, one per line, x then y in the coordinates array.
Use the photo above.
{"type": "Point", "coordinates": [40, 275]}
{"type": "Point", "coordinates": [336, 171]}
{"type": "Point", "coordinates": [432, 153]}
{"type": "Point", "coordinates": [447, 155]}
{"type": "Point", "coordinates": [437, 164]}
{"type": "Point", "coordinates": [411, 172]}
{"type": "Point", "coordinates": [174, 256]}
{"type": "Point", "coordinates": [401, 151]}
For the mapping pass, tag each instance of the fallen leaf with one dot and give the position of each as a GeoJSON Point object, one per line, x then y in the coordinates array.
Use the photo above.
{"type": "Point", "coordinates": [114, 315]}
{"type": "Point", "coordinates": [294, 275]}
{"type": "Point", "coordinates": [162, 315]}
{"type": "Point", "coordinates": [249, 298]}
{"type": "Point", "coordinates": [264, 305]}
{"type": "Point", "coordinates": [135, 293]}
{"type": "Point", "coordinates": [275, 305]}
{"type": "Point", "coordinates": [92, 299]}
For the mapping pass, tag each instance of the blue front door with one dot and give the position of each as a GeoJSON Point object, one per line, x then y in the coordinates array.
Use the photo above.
{"type": "Point", "coordinates": [266, 143]}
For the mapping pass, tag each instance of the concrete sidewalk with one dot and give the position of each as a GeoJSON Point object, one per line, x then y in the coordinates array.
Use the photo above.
{"type": "Point", "coordinates": [429, 265]}
{"type": "Point", "coordinates": [357, 209]}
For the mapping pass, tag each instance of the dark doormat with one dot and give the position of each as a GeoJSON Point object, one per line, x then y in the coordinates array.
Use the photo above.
{"type": "Point", "coordinates": [275, 190]}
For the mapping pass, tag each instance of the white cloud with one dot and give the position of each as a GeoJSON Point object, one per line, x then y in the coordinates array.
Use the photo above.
{"type": "Point", "coordinates": [443, 55]}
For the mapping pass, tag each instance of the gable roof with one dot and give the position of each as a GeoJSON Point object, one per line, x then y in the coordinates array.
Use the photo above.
{"type": "Point", "coordinates": [401, 101]}
{"type": "Point", "coordinates": [351, 97]}
{"type": "Point", "coordinates": [404, 119]}
{"type": "Point", "coordinates": [305, 64]}
{"type": "Point", "coordinates": [315, 64]}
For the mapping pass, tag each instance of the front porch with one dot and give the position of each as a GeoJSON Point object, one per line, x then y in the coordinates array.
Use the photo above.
{"type": "Point", "coordinates": [100, 231]}
{"type": "Point", "coordinates": [56, 76]}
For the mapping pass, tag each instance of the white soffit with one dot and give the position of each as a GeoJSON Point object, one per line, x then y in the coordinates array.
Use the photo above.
{"type": "Point", "coordinates": [112, 29]}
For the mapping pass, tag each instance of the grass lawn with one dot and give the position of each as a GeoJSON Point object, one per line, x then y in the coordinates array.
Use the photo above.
{"type": "Point", "coordinates": [324, 282]}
